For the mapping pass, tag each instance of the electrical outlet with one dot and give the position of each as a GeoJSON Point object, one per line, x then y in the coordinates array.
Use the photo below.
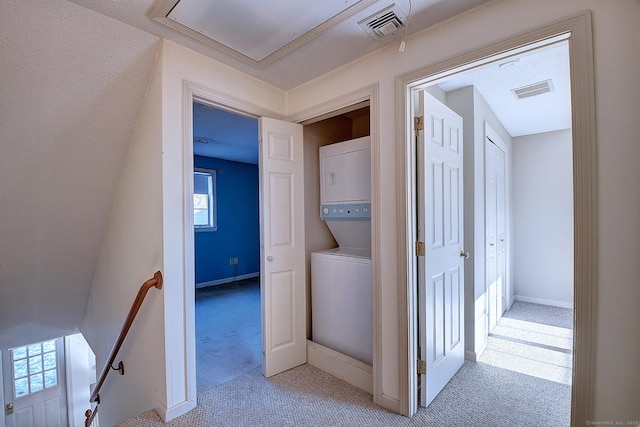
{"type": "Point", "coordinates": [235, 260]}
{"type": "Point", "coordinates": [230, 261]}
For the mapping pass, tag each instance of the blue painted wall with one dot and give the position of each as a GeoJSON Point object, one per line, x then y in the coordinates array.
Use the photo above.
{"type": "Point", "coordinates": [238, 233]}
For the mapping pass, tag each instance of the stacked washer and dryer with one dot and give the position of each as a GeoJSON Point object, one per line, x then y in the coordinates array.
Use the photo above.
{"type": "Point", "coordinates": [341, 287]}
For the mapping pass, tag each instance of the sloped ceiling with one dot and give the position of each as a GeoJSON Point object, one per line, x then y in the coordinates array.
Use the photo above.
{"type": "Point", "coordinates": [72, 84]}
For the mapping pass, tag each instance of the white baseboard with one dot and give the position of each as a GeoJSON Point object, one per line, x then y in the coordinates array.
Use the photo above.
{"type": "Point", "coordinates": [470, 355]}
{"type": "Point", "coordinates": [339, 365]}
{"type": "Point", "coordinates": [542, 301]}
{"type": "Point", "coordinates": [168, 414]}
{"type": "Point", "coordinates": [227, 280]}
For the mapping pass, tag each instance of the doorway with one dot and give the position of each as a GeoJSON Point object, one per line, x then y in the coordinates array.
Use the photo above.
{"type": "Point", "coordinates": [47, 383]}
{"type": "Point", "coordinates": [227, 244]}
{"type": "Point", "coordinates": [35, 384]}
{"type": "Point", "coordinates": [282, 287]}
{"type": "Point", "coordinates": [577, 31]}
{"type": "Point", "coordinates": [491, 136]}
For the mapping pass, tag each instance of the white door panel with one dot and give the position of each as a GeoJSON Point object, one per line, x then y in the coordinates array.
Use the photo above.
{"type": "Point", "coordinates": [34, 381]}
{"type": "Point", "coordinates": [490, 234]}
{"type": "Point", "coordinates": [441, 271]}
{"type": "Point", "coordinates": [501, 231]}
{"type": "Point", "coordinates": [495, 231]}
{"type": "Point", "coordinates": [282, 261]}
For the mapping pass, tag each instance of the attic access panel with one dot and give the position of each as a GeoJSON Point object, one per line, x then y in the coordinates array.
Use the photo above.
{"type": "Point", "coordinates": [257, 32]}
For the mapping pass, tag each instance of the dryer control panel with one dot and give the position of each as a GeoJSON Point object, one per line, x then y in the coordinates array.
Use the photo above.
{"type": "Point", "coordinates": [346, 211]}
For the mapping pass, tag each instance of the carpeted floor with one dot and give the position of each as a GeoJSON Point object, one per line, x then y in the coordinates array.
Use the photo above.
{"type": "Point", "coordinates": [478, 395]}
{"type": "Point", "coordinates": [228, 335]}
{"type": "Point", "coordinates": [535, 340]}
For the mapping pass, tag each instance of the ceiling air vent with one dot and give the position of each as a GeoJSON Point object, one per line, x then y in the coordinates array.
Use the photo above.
{"type": "Point", "coordinates": [533, 89]}
{"type": "Point", "coordinates": [384, 22]}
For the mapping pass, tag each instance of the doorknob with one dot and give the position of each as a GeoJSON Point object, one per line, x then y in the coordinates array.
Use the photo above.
{"type": "Point", "coordinates": [464, 254]}
{"type": "Point", "coordinates": [9, 408]}
{"type": "Point", "coordinates": [269, 258]}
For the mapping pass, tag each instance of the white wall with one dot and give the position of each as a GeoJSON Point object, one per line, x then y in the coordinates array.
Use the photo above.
{"type": "Point", "coordinates": [146, 233]}
{"type": "Point", "coordinates": [132, 251]}
{"type": "Point", "coordinates": [617, 374]}
{"type": "Point", "coordinates": [543, 218]}
{"type": "Point", "coordinates": [81, 373]}
{"type": "Point", "coordinates": [230, 87]}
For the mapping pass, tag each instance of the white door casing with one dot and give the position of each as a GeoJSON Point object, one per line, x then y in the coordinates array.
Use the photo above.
{"type": "Point", "coordinates": [282, 254]}
{"type": "Point", "coordinates": [46, 408]}
{"type": "Point", "coordinates": [440, 227]}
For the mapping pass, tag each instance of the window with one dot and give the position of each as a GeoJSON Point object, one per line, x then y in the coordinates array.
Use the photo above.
{"type": "Point", "coordinates": [204, 200]}
{"type": "Point", "coordinates": [35, 368]}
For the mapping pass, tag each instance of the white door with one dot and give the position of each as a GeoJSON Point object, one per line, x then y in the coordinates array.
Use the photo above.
{"type": "Point", "coordinates": [282, 252]}
{"type": "Point", "coordinates": [490, 233]}
{"type": "Point", "coordinates": [495, 231]}
{"type": "Point", "coordinates": [501, 232]}
{"type": "Point", "coordinates": [441, 270]}
{"type": "Point", "coordinates": [34, 385]}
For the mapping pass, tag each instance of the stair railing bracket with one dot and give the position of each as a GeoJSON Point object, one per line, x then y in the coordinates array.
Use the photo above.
{"type": "Point", "coordinates": [120, 368]}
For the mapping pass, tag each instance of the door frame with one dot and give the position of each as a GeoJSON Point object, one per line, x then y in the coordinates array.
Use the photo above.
{"type": "Point", "coordinates": [195, 92]}
{"type": "Point", "coordinates": [331, 108]}
{"type": "Point", "coordinates": [577, 30]}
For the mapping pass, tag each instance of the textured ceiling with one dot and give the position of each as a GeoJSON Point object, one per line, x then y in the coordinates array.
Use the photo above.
{"type": "Point", "coordinates": [343, 43]}
{"type": "Point", "coordinates": [72, 84]}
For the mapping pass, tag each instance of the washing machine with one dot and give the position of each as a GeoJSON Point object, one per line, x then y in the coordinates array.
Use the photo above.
{"type": "Point", "coordinates": [341, 296]}
{"type": "Point", "coordinates": [341, 287]}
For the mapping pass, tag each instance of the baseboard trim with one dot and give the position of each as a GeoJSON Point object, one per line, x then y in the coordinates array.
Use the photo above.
{"type": "Point", "coordinates": [542, 301]}
{"type": "Point", "coordinates": [341, 366]}
{"type": "Point", "coordinates": [227, 280]}
{"type": "Point", "coordinates": [176, 411]}
{"type": "Point", "coordinates": [470, 356]}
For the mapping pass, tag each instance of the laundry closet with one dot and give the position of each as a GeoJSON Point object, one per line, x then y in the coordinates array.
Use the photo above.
{"type": "Point", "coordinates": [337, 151]}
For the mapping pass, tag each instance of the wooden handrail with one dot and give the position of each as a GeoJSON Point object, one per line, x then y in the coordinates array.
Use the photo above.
{"type": "Point", "coordinates": [155, 281]}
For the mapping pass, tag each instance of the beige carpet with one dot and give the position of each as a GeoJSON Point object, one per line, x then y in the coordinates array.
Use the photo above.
{"type": "Point", "coordinates": [479, 395]}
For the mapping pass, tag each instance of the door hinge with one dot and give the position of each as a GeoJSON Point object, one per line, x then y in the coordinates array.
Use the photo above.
{"type": "Point", "coordinates": [418, 123]}
{"type": "Point", "coordinates": [419, 248]}
{"type": "Point", "coordinates": [422, 367]}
